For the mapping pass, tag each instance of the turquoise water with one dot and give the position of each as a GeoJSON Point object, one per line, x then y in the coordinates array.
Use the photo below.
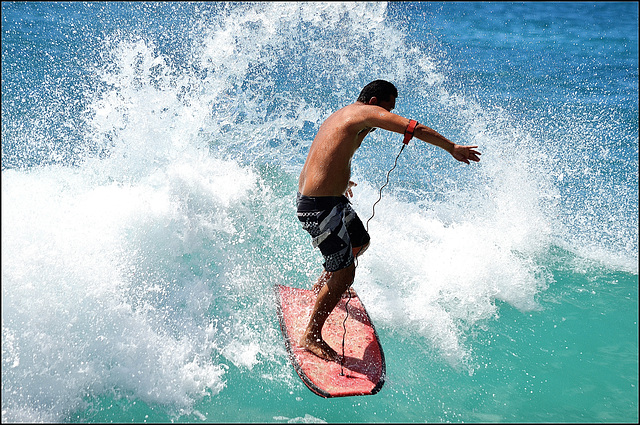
{"type": "Point", "coordinates": [150, 154]}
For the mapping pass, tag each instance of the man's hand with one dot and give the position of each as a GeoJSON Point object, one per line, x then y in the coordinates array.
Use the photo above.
{"type": "Point", "coordinates": [349, 193]}
{"type": "Point", "coordinates": [465, 153]}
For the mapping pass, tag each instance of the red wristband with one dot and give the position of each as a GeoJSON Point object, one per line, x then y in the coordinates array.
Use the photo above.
{"type": "Point", "coordinates": [408, 133]}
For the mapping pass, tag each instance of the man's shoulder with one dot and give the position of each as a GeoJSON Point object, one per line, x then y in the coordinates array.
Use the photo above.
{"type": "Point", "coordinates": [357, 110]}
{"type": "Point", "coordinates": [355, 116]}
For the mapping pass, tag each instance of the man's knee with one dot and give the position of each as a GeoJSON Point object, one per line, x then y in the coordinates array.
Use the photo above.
{"type": "Point", "coordinates": [342, 279]}
{"type": "Point", "coordinates": [347, 272]}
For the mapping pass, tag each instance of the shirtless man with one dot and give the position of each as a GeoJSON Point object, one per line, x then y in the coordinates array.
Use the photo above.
{"type": "Point", "coordinates": [324, 210]}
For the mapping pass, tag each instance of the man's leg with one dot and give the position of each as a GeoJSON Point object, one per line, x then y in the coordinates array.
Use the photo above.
{"type": "Point", "coordinates": [325, 275]}
{"type": "Point", "coordinates": [322, 280]}
{"type": "Point", "coordinates": [359, 250]}
{"type": "Point", "coordinates": [328, 298]}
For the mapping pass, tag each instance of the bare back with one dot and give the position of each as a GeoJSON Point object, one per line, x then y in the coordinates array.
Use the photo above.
{"type": "Point", "coordinates": [327, 169]}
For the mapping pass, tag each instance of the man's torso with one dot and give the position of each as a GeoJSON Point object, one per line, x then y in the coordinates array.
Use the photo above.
{"type": "Point", "coordinates": [327, 169]}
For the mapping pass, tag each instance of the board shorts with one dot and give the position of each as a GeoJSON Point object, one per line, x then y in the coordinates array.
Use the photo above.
{"type": "Point", "coordinates": [334, 226]}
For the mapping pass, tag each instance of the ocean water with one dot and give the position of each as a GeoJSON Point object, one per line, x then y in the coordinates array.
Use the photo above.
{"type": "Point", "coordinates": [150, 154]}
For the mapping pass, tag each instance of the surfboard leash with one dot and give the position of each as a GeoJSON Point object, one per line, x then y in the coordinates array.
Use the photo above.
{"type": "Point", "coordinates": [408, 135]}
{"type": "Point", "coordinates": [344, 326]}
{"type": "Point", "coordinates": [373, 212]}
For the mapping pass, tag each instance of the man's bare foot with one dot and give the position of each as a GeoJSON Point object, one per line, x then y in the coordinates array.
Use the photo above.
{"type": "Point", "coordinates": [319, 347]}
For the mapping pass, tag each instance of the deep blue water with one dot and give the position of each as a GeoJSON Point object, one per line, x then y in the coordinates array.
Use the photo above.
{"type": "Point", "coordinates": [150, 154]}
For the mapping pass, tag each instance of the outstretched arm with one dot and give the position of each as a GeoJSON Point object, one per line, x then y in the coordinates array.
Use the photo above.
{"type": "Point", "coordinates": [460, 153]}
{"type": "Point", "coordinates": [379, 117]}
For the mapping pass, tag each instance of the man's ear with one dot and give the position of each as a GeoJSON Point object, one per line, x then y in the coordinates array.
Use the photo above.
{"type": "Point", "coordinates": [373, 101]}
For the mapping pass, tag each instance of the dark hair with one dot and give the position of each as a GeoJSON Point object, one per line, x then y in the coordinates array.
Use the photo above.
{"type": "Point", "coordinates": [381, 89]}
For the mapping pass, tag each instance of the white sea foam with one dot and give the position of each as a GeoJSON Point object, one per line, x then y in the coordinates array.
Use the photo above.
{"type": "Point", "coordinates": [97, 291]}
{"type": "Point", "coordinates": [95, 294]}
{"type": "Point", "coordinates": [440, 276]}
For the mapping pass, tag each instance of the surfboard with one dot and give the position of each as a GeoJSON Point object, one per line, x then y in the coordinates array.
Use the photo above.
{"type": "Point", "coordinates": [363, 370]}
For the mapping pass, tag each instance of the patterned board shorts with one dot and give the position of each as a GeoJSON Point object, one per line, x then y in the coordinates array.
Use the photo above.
{"type": "Point", "coordinates": [334, 226]}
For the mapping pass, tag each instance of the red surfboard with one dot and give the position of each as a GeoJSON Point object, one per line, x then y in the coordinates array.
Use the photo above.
{"type": "Point", "coordinates": [363, 370]}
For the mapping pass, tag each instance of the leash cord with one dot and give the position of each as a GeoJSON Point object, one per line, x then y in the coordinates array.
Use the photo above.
{"type": "Point", "coordinates": [384, 185]}
{"type": "Point", "coordinates": [344, 326]}
{"type": "Point", "coordinates": [346, 306]}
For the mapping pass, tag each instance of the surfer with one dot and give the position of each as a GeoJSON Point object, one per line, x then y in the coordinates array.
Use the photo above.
{"type": "Point", "coordinates": [323, 207]}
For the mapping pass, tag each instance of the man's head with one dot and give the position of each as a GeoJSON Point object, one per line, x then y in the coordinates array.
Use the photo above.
{"type": "Point", "coordinates": [379, 91]}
